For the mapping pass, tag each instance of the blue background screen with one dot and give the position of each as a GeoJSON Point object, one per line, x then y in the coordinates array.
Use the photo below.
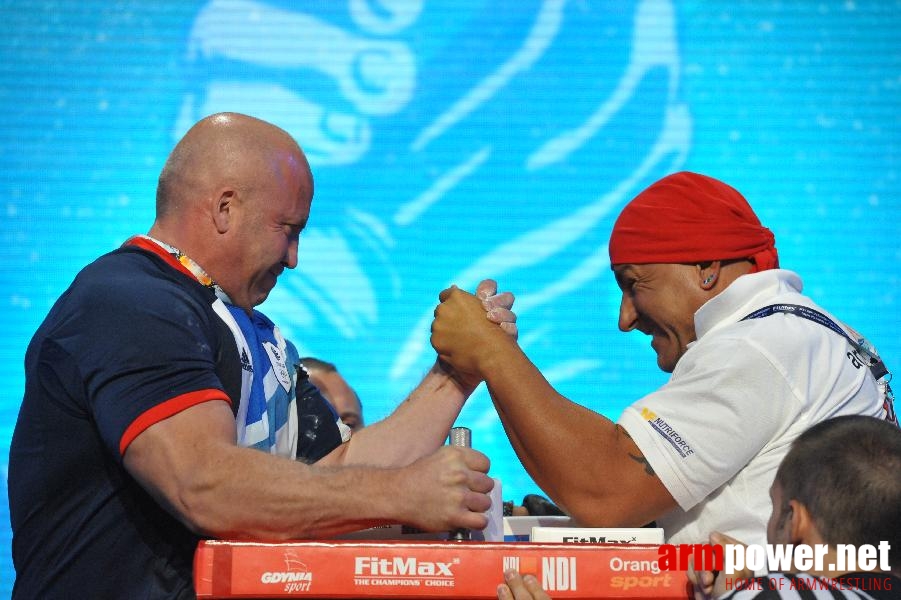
{"type": "Point", "coordinates": [453, 140]}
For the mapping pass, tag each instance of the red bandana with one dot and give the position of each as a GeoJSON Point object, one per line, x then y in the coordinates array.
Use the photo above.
{"type": "Point", "coordinates": [689, 218]}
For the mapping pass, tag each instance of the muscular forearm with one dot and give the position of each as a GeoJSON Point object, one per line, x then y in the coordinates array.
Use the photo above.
{"type": "Point", "coordinates": [191, 465]}
{"type": "Point", "coordinates": [281, 499]}
{"type": "Point", "coordinates": [417, 427]}
{"type": "Point", "coordinates": [581, 459]}
{"type": "Point", "coordinates": [443, 491]}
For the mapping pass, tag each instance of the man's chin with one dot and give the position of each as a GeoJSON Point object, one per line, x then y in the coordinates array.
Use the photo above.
{"type": "Point", "coordinates": [663, 362]}
{"type": "Point", "coordinates": [666, 363]}
{"type": "Point", "coordinates": [666, 368]}
{"type": "Point", "coordinates": [261, 296]}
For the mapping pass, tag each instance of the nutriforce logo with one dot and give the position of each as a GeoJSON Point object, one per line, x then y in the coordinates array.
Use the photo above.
{"type": "Point", "coordinates": [670, 434]}
{"type": "Point", "coordinates": [403, 571]}
{"type": "Point", "coordinates": [735, 558]}
{"type": "Point", "coordinates": [296, 577]}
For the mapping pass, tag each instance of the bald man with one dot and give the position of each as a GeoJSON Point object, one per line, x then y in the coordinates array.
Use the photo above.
{"type": "Point", "coordinates": [754, 362]}
{"type": "Point", "coordinates": [126, 452]}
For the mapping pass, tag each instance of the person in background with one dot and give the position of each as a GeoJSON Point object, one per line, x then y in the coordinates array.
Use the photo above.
{"type": "Point", "coordinates": [125, 453]}
{"type": "Point", "coordinates": [343, 398]}
{"type": "Point", "coordinates": [839, 484]}
{"type": "Point", "coordinates": [754, 362]}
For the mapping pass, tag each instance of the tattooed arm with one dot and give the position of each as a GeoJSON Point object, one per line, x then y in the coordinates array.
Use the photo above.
{"type": "Point", "coordinates": [638, 456]}
{"type": "Point", "coordinates": [585, 463]}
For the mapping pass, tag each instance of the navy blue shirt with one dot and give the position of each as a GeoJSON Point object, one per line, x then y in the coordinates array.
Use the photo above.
{"type": "Point", "coordinates": [133, 340]}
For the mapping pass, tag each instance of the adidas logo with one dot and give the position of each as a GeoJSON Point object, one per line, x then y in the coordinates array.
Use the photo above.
{"type": "Point", "coordinates": [245, 361]}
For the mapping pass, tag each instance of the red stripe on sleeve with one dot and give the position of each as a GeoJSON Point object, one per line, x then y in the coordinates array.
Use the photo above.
{"type": "Point", "coordinates": [165, 410]}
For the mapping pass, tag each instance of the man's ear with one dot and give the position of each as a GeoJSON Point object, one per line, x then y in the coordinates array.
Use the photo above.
{"type": "Point", "coordinates": [223, 203]}
{"type": "Point", "coordinates": [708, 274]}
{"type": "Point", "coordinates": [802, 529]}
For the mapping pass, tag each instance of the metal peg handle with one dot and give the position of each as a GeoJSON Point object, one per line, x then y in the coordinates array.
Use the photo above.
{"type": "Point", "coordinates": [462, 437]}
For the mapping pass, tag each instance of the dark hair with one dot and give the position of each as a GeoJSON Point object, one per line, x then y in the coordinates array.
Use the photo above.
{"type": "Point", "coordinates": [847, 472]}
{"type": "Point", "coordinates": [310, 362]}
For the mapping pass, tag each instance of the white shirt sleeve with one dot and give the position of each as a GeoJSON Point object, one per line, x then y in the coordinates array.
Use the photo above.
{"type": "Point", "coordinates": [724, 403]}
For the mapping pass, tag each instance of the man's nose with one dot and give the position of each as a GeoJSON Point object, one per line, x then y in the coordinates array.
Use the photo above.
{"type": "Point", "coordinates": [290, 260]}
{"type": "Point", "coordinates": [628, 316]}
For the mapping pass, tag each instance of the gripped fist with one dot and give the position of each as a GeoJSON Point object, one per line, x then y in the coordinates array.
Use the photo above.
{"type": "Point", "coordinates": [451, 490]}
{"type": "Point", "coordinates": [467, 328]}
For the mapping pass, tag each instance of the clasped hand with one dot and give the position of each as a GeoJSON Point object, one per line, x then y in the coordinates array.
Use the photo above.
{"type": "Point", "coordinates": [468, 328]}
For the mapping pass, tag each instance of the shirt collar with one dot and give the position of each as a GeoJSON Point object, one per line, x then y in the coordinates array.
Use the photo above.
{"type": "Point", "coordinates": [179, 260]}
{"type": "Point", "coordinates": [743, 296]}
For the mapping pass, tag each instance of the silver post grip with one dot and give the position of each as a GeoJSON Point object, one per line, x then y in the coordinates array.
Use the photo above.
{"type": "Point", "coordinates": [462, 437]}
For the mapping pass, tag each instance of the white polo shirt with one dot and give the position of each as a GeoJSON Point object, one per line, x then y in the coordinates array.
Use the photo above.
{"type": "Point", "coordinates": [738, 397]}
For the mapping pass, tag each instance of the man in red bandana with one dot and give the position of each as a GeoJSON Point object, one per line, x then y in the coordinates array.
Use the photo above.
{"type": "Point", "coordinates": [753, 361]}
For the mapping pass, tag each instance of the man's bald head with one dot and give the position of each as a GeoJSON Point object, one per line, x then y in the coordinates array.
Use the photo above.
{"type": "Point", "coordinates": [221, 149]}
{"type": "Point", "coordinates": [234, 195]}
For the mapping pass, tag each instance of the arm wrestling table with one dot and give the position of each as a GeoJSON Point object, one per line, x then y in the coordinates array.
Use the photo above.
{"type": "Point", "coordinates": [429, 569]}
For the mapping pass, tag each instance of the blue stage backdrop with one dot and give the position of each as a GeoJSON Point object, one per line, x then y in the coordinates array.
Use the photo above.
{"type": "Point", "coordinates": [453, 140]}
